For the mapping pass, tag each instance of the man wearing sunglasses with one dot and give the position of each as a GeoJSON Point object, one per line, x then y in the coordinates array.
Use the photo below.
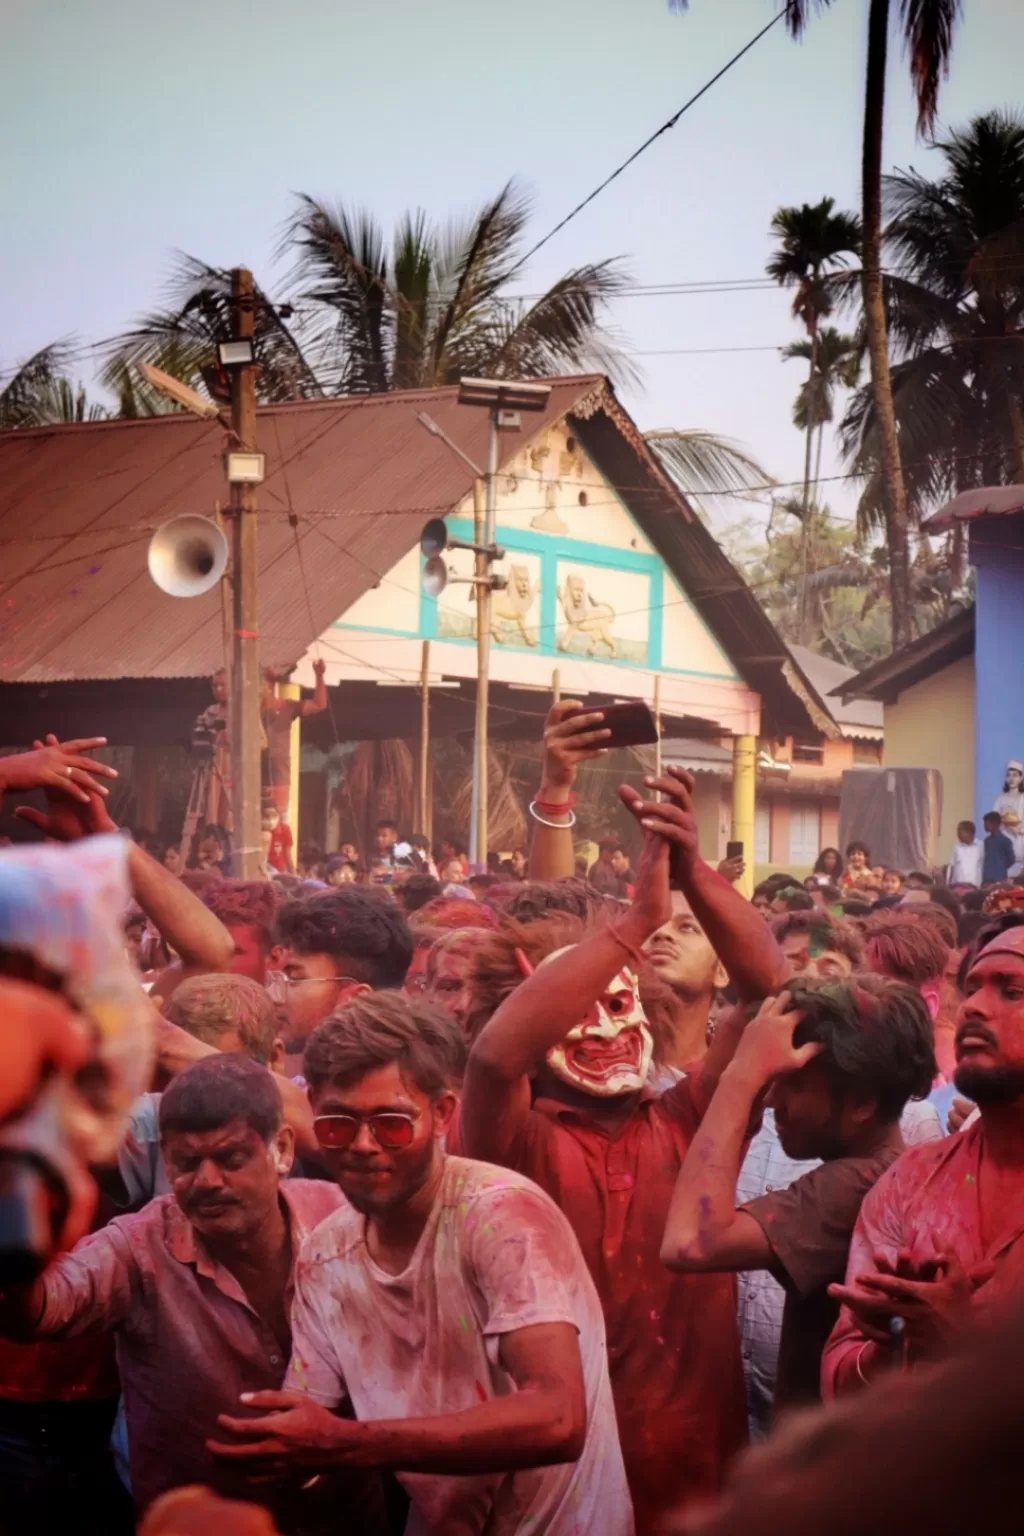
{"type": "Point", "coordinates": [447, 1302]}
{"type": "Point", "coordinates": [335, 946]}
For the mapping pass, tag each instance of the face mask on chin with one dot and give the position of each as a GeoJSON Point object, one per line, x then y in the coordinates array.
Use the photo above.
{"type": "Point", "coordinates": [608, 1053]}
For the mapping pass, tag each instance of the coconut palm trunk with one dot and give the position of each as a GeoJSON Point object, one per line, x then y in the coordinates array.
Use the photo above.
{"type": "Point", "coordinates": [896, 514]}
{"type": "Point", "coordinates": [805, 526]}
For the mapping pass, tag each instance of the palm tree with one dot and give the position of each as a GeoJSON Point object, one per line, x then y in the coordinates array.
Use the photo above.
{"type": "Point", "coordinates": [435, 305]}
{"type": "Point", "coordinates": [927, 28]}
{"type": "Point", "coordinates": [954, 298]}
{"type": "Point", "coordinates": [837, 359]}
{"type": "Point", "coordinates": [181, 338]}
{"type": "Point", "coordinates": [814, 242]}
{"type": "Point", "coordinates": [40, 394]}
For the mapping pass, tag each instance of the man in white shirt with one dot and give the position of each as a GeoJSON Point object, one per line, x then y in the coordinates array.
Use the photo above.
{"type": "Point", "coordinates": [448, 1303]}
{"type": "Point", "coordinates": [968, 855]}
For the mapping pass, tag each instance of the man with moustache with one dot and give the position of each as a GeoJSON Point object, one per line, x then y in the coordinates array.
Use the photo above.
{"type": "Point", "coordinates": [940, 1238]}
{"type": "Point", "coordinates": [196, 1287]}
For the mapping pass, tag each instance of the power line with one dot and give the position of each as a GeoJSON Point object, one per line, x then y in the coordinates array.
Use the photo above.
{"type": "Point", "coordinates": [670, 123]}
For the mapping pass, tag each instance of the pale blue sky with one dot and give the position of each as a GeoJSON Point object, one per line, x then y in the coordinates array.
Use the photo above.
{"type": "Point", "coordinates": [131, 128]}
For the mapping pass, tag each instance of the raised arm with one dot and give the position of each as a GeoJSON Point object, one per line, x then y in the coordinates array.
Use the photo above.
{"type": "Point", "coordinates": [705, 1231]}
{"type": "Point", "coordinates": [188, 926]}
{"type": "Point", "coordinates": [88, 1290]}
{"type": "Point", "coordinates": [739, 936]}
{"type": "Point", "coordinates": [540, 1012]}
{"type": "Point", "coordinates": [570, 738]}
{"type": "Point", "coordinates": [318, 703]}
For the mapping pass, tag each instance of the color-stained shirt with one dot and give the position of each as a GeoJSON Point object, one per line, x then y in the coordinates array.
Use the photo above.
{"type": "Point", "coordinates": [495, 1257]}
{"type": "Point", "coordinates": [673, 1341]}
{"type": "Point", "coordinates": [188, 1341]}
{"type": "Point", "coordinates": [928, 1202]}
{"type": "Point", "coordinates": [809, 1226]}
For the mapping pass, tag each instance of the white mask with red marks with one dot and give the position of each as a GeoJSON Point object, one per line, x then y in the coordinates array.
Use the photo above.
{"type": "Point", "coordinates": [608, 1053]}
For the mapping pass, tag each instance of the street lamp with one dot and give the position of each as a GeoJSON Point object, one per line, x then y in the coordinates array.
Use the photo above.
{"type": "Point", "coordinates": [504, 399]}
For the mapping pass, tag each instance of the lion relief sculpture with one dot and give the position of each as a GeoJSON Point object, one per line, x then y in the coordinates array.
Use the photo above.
{"type": "Point", "coordinates": [511, 606]}
{"type": "Point", "coordinates": [587, 617]}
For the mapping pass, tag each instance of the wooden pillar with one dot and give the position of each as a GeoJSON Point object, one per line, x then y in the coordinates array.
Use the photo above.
{"type": "Point", "coordinates": [147, 791]}
{"type": "Point", "coordinates": [744, 792]}
{"type": "Point", "coordinates": [293, 691]}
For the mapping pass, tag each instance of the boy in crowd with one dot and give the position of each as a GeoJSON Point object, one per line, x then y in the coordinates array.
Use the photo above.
{"type": "Point", "coordinates": [965, 861]}
{"type": "Point", "coordinates": [447, 1301]}
{"type": "Point", "coordinates": [841, 1060]}
{"type": "Point", "coordinates": [997, 851]}
{"type": "Point", "coordinates": [334, 946]}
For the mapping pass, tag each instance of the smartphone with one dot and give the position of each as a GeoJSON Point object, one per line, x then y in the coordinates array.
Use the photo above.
{"type": "Point", "coordinates": [631, 725]}
{"type": "Point", "coordinates": [734, 850]}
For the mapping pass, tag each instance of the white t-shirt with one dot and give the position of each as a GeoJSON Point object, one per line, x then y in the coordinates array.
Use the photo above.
{"type": "Point", "coordinates": [965, 863]}
{"type": "Point", "coordinates": [495, 1256]}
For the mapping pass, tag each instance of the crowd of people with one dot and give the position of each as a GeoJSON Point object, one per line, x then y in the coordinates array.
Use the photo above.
{"type": "Point", "coordinates": [385, 1196]}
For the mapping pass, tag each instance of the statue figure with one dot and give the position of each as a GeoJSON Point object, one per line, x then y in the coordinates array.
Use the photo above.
{"type": "Point", "coordinates": [584, 616]}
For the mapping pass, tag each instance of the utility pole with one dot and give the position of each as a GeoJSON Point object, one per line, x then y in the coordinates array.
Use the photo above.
{"type": "Point", "coordinates": [245, 647]}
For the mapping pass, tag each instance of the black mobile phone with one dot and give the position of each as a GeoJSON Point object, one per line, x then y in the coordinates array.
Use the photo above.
{"type": "Point", "coordinates": [734, 850]}
{"type": "Point", "coordinates": [631, 724]}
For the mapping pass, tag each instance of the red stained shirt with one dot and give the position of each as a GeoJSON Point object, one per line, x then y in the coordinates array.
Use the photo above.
{"type": "Point", "coordinates": [188, 1341]}
{"type": "Point", "coordinates": [281, 843]}
{"type": "Point", "coordinates": [673, 1342]}
{"type": "Point", "coordinates": [927, 1202]}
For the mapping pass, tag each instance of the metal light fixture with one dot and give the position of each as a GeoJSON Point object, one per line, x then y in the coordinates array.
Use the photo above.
{"type": "Point", "coordinates": [245, 468]}
{"type": "Point", "coordinates": [504, 394]}
{"type": "Point", "coordinates": [175, 390]}
{"type": "Point", "coordinates": [238, 353]}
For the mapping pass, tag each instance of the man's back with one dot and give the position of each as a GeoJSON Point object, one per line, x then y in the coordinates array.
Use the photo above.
{"type": "Point", "coordinates": [496, 1256]}
{"type": "Point", "coordinates": [998, 856]}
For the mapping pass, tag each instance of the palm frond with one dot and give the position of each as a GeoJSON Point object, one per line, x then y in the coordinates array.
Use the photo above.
{"type": "Point", "coordinates": [928, 28]}
{"type": "Point", "coordinates": [25, 397]}
{"type": "Point", "coordinates": [704, 464]}
{"type": "Point", "coordinates": [340, 272]}
{"type": "Point", "coordinates": [477, 262]}
{"type": "Point", "coordinates": [560, 331]}
{"type": "Point", "coordinates": [413, 290]}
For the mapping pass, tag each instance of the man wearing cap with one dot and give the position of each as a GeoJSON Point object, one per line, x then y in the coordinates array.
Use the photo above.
{"type": "Point", "coordinates": [940, 1237]}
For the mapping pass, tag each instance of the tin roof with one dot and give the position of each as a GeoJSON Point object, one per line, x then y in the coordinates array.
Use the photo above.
{"type": "Point", "coordinates": [79, 503]}
{"type": "Point", "coordinates": [885, 680]}
{"type": "Point", "coordinates": [854, 716]}
{"type": "Point", "coordinates": [986, 501]}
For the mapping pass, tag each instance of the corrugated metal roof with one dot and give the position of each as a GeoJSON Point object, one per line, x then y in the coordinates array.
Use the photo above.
{"type": "Point", "coordinates": [986, 501]}
{"type": "Point", "coordinates": [885, 680]}
{"type": "Point", "coordinates": [856, 716]}
{"type": "Point", "coordinates": [78, 504]}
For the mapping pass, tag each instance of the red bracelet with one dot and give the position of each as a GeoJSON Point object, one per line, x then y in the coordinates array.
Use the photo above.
{"type": "Point", "coordinates": [631, 950]}
{"type": "Point", "coordinates": [553, 808]}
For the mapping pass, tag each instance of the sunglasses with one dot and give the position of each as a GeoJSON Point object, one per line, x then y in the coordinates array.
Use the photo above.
{"type": "Point", "coordinates": [389, 1130]}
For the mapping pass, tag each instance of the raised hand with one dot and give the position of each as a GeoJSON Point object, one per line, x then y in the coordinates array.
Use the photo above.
{"type": "Point", "coordinates": [570, 738]}
{"type": "Point", "coordinates": [766, 1050]}
{"type": "Point", "coordinates": [672, 817]}
{"type": "Point", "coordinates": [68, 821]}
{"type": "Point", "coordinates": [58, 765]}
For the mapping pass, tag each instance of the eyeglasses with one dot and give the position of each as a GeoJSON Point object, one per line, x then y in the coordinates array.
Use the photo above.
{"type": "Point", "coordinates": [298, 981]}
{"type": "Point", "coordinates": [389, 1130]}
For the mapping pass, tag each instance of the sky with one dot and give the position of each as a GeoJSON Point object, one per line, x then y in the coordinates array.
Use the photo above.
{"type": "Point", "coordinates": [132, 129]}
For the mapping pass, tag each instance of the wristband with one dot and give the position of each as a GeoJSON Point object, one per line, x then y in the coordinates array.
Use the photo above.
{"type": "Point", "coordinates": [631, 949]}
{"type": "Point", "coordinates": [553, 807]}
{"type": "Point", "coordinates": [557, 826]}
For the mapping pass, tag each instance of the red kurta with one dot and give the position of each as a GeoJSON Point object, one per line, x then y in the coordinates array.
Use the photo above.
{"type": "Point", "coordinates": [673, 1343]}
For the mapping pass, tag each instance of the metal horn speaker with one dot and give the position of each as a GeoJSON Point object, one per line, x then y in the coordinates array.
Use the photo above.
{"type": "Point", "coordinates": [187, 556]}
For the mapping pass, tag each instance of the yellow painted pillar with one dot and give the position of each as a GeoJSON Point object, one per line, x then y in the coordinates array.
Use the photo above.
{"type": "Point", "coordinates": [293, 691]}
{"type": "Point", "coordinates": [744, 790]}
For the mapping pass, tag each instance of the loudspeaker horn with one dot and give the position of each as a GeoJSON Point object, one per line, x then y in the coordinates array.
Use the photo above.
{"type": "Point", "coordinates": [187, 556]}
